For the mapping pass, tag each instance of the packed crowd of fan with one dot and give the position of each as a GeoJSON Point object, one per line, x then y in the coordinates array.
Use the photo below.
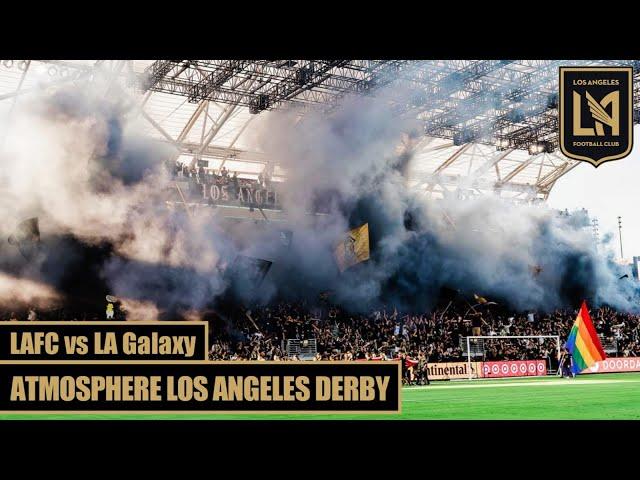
{"type": "Point", "coordinates": [435, 337]}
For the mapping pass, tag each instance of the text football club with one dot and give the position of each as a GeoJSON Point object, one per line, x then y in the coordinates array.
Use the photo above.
{"type": "Point", "coordinates": [596, 113]}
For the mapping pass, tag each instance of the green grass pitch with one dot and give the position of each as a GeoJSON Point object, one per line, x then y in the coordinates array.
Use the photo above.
{"type": "Point", "coordinates": [605, 397]}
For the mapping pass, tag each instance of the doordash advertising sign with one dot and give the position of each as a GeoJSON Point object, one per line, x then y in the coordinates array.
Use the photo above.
{"type": "Point", "coordinates": [612, 365]}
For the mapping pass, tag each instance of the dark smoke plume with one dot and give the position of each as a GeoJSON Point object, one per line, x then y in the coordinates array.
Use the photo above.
{"type": "Point", "coordinates": [78, 160]}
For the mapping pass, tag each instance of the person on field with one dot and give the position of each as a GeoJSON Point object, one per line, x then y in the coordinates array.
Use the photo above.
{"type": "Point", "coordinates": [565, 364]}
{"type": "Point", "coordinates": [423, 370]}
{"type": "Point", "coordinates": [109, 311]}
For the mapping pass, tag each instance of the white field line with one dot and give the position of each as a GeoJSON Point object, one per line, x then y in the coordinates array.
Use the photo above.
{"type": "Point", "coordinates": [542, 383]}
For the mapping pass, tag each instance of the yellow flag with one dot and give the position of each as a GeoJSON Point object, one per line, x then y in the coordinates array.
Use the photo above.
{"type": "Point", "coordinates": [354, 248]}
{"type": "Point", "coordinates": [480, 299]}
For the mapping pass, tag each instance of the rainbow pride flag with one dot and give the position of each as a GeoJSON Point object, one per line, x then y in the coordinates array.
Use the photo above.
{"type": "Point", "coordinates": [583, 342]}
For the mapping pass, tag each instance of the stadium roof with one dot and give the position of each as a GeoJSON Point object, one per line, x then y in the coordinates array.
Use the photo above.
{"type": "Point", "coordinates": [488, 125]}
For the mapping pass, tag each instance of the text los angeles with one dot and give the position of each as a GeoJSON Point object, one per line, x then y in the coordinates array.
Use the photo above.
{"type": "Point", "coordinates": [104, 343]}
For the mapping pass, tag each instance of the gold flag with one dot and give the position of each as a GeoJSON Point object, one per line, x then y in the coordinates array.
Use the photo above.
{"type": "Point", "coordinates": [354, 248]}
{"type": "Point", "coordinates": [479, 299]}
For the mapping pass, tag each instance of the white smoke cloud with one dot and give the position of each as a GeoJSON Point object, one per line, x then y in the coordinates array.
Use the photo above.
{"type": "Point", "coordinates": [76, 159]}
{"type": "Point", "coordinates": [22, 292]}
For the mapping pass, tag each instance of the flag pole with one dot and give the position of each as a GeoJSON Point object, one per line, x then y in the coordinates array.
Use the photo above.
{"type": "Point", "coordinates": [620, 236]}
{"type": "Point", "coordinates": [445, 310]}
{"type": "Point", "coordinates": [469, 358]}
{"type": "Point", "coordinates": [184, 201]}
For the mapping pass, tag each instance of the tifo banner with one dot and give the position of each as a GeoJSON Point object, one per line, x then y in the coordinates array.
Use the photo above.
{"type": "Point", "coordinates": [610, 365]}
{"type": "Point", "coordinates": [447, 371]}
{"type": "Point", "coordinates": [515, 368]}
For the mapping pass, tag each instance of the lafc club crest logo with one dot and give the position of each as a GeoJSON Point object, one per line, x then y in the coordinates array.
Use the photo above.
{"type": "Point", "coordinates": [596, 113]}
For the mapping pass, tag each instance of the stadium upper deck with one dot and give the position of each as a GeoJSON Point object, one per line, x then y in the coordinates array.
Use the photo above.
{"type": "Point", "coordinates": [489, 125]}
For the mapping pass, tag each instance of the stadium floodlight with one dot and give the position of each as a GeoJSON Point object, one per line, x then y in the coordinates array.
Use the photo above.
{"type": "Point", "coordinates": [533, 149]}
{"type": "Point", "coordinates": [476, 345]}
{"type": "Point", "coordinates": [502, 144]}
{"type": "Point", "coordinates": [540, 147]}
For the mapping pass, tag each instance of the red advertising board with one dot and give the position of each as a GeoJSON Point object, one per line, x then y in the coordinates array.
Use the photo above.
{"type": "Point", "coordinates": [617, 364]}
{"type": "Point", "coordinates": [514, 368]}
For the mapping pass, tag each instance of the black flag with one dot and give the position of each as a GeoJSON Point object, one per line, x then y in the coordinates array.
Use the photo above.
{"type": "Point", "coordinates": [26, 237]}
{"type": "Point", "coordinates": [249, 271]}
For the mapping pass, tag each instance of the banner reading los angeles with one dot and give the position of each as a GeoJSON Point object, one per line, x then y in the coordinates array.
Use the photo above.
{"type": "Point", "coordinates": [155, 367]}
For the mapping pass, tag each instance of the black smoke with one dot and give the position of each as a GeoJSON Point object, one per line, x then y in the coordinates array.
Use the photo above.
{"type": "Point", "coordinates": [109, 231]}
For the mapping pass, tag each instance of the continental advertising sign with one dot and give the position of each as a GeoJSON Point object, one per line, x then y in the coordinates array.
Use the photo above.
{"type": "Point", "coordinates": [453, 370]}
{"type": "Point", "coordinates": [158, 367]}
{"type": "Point", "coordinates": [612, 365]}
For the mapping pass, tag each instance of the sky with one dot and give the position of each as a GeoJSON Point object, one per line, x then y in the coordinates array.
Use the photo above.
{"type": "Point", "coordinates": [607, 192]}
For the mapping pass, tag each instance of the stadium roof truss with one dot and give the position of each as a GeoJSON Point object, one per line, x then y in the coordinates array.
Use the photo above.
{"type": "Point", "coordinates": [489, 125]}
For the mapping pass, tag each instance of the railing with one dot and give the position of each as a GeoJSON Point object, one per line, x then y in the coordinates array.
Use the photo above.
{"type": "Point", "coordinates": [303, 349]}
{"type": "Point", "coordinates": [609, 345]}
{"type": "Point", "coordinates": [477, 347]}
